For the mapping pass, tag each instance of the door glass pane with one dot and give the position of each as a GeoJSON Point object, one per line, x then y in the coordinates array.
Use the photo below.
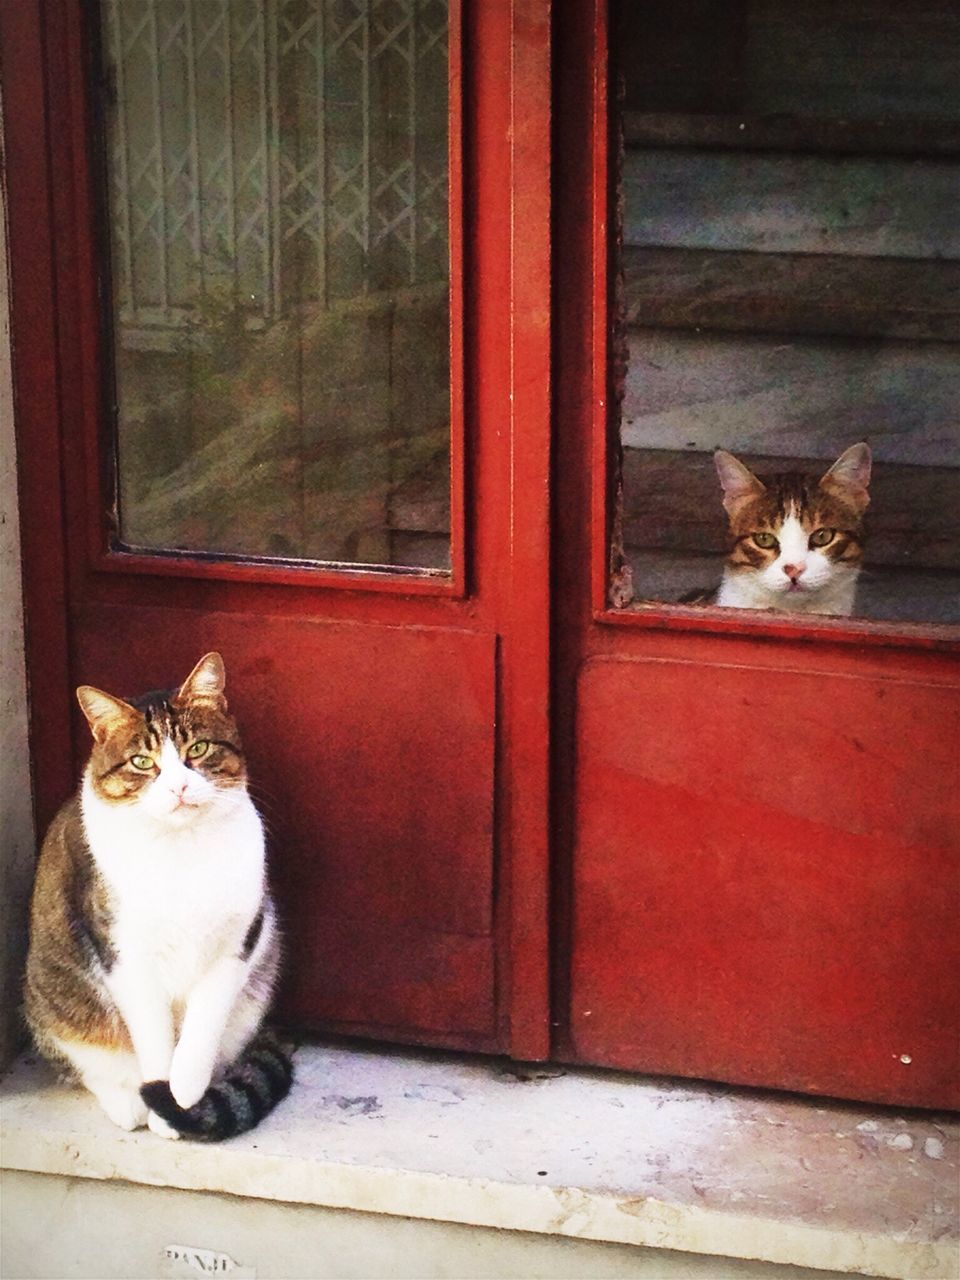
{"type": "Point", "coordinates": [278, 242]}
{"type": "Point", "coordinates": [790, 273]}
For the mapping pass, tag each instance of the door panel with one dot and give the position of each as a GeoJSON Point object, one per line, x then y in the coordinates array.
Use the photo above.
{"type": "Point", "coordinates": [756, 813]}
{"type": "Point", "coordinates": [371, 753]}
{"type": "Point", "coordinates": [394, 983]}
{"type": "Point", "coordinates": [764, 877]}
{"type": "Point", "coordinates": [390, 673]}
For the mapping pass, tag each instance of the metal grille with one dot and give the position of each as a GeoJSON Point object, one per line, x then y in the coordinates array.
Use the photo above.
{"type": "Point", "coordinates": [269, 153]}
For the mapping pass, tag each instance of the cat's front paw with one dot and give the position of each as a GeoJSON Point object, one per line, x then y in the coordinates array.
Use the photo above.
{"type": "Point", "coordinates": [189, 1081]}
{"type": "Point", "coordinates": [124, 1108]}
{"type": "Point", "coordinates": [156, 1124]}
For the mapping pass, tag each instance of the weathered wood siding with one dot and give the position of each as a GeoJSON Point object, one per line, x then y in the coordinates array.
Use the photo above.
{"type": "Point", "coordinates": [792, 203]}
{"type": "Point", "coordinates": [792, 396]}
{"type": "Point", "coordinates": [818, 294]}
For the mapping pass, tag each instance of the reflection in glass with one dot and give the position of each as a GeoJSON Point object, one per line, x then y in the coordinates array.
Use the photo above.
{"type": "Point", "coordinates": [790, 272]}
{"type": "Point", "coordinates": [277, 193]}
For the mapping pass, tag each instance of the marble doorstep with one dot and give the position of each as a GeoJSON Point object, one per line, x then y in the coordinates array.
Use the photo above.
{"type": "Point", "coordinates": [589, 1154]}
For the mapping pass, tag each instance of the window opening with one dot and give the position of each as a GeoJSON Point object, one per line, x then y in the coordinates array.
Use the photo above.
{"type": "Point", "coordinates": [789, 286]}
{"type": "Point", "coordinates": [277, 230]}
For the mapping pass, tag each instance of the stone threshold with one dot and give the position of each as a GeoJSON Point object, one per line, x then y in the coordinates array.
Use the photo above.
{"type": "Point", "coordinates": [590, 1154]}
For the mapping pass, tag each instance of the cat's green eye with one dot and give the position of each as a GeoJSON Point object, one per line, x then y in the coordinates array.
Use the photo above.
{"type": "Point", "coordinates": [142, 762]}
{"type": "Point", "coordinates": [765, 540]}
{"type": "Point", "coordinates": [197, 749]}
{"type": "Point", "coordinates": [820, 537]}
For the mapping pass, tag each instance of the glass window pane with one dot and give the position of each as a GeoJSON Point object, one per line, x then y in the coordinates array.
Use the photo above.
{"type": "Point", "coordinates": [790, 273]}
{"type": "Point", "coordinates": [278, 235]}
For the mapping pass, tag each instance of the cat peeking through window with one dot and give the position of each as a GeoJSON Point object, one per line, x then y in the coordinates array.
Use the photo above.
{"type": "Point", "coordinates": [796, 543]}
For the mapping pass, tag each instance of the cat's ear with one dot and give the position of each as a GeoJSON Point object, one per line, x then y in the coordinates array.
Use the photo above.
{"type": "Point", "coordinates": [205, 683]}
{"type": "Point", "coordinates": [105, 713]}
{"type": "Point", "coordinates": [737, 481]}
{"type": "Point", "coordinates": [849, 476]}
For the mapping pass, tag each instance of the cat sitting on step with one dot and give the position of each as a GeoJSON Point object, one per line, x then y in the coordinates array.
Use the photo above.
{"type": "Point", "coordinates": [154, 947]}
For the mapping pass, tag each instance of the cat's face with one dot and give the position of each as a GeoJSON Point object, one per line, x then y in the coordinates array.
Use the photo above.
{"type": "Point", "coordinates": [795, 539]}
{"type": "Point", "coordinates": [175, 756]}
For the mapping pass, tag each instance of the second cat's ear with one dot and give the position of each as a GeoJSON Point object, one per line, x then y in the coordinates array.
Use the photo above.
{"type": "Point", "coordinates": [849, 476]}
{"type": "Point", "coordinates": [105, 713]}
{"type": "Point", "coordinates": [205, 683]}
{"type": "Point", "coordinates": [737, 481]}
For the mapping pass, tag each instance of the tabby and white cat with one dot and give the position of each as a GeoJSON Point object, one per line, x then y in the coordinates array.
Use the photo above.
{"type": "Point", "coordinates": [153, 940]}
{"type": "Point", "coordinates": [796, 542]}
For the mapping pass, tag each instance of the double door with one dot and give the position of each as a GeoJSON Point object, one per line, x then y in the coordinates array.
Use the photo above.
{"type": "Point", "coordinates": [317, 352]}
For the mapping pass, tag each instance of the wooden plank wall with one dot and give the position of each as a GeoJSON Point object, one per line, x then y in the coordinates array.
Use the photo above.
{"type": "Point", "coordinates": [777, 395]}
{"type": "Point", "coordinates": [792, 293]}
{"type": "Point", "coordinates": [886, 206]}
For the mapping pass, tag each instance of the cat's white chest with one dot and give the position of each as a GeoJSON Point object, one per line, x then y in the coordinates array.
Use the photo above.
{"type": "Point", "coordinates": [179, 898]}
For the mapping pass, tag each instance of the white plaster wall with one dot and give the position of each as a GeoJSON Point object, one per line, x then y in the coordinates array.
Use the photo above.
{"type": "Point", "coordinates": [16, 814]}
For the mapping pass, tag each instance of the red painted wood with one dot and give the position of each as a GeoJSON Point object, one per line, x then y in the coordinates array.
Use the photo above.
{"type": "Point", "coordinates": [402, 582]}
{"type": "Point", "coordinates": [577, 452]}
{"type": "Point", "coordinates": [526, 696]}
{"type": "Point", "coordinates": [604, 403]}
{"type": "Point", "coordinates": [411, 985]}
{"type": "Point", "coordinates": [943, 637]}
{"type": "Point", "coordinates": [458, 284]}
{"type": "Point", "coordinates": [371, 754]}
{"type": "Point", "coordinates": [434, 928]}
{"type": "Point", "coordinates": [767, 875]}
{"type": "Point", "coordinates": [36, 387]}
{"type": "Point", "coordinates": [741, 893]}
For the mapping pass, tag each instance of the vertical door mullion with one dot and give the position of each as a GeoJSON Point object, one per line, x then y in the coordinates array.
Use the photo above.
{"type": "Point", "coordinates": [527, 677]}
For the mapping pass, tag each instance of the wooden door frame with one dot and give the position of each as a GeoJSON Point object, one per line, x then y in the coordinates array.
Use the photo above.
{"type": "Point", "coordinates": [37, 395]}
{"type": "Point", "coordinates": [507, 454]}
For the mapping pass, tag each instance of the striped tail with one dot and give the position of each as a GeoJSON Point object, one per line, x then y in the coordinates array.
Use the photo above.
{"type": "Point", "coordinates": [250, 1089]}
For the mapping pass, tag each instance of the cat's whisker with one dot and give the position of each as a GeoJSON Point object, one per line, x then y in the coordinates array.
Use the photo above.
{"type": "Point", "coordinates": [261, 794]}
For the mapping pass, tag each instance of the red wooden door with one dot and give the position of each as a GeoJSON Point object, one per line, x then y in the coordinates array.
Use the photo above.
{"type": "Point", "coordinates": [748, 825]}
{"type": "Point", "coordinates": [344, 517]}
{"type": "Point", "coordinates": [757, 817]}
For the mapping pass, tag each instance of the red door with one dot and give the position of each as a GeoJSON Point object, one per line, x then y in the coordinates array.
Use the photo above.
{"type": "Point", "coordinates": [292, 389]}
{"type": "Point", "coordinates": [744, 829]}
{"type": "Point", "coordinates": [757, 815]}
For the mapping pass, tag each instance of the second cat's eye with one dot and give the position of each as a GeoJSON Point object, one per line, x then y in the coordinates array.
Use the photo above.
{"type": "Point", "coordinates": [820, 537]}
{"type": "Point", "coordinates": [197, 749]}
{"type": "Point", "coordinates": [765, 540]}
{"type": "Point", "coordinates": [142, 762]}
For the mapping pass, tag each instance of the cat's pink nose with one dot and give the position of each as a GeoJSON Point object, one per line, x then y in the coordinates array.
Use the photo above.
{"type": "Point", "coordinates": [793, 571]}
